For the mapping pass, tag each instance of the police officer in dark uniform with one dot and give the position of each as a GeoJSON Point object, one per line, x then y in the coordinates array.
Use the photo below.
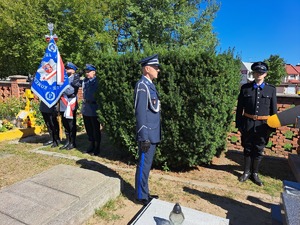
{"type": "Point", "coordinates": [89, 109]}
{"type": "Point", "coordinates": [68, 106]}
{"type": "Point", "coordinates": [256, 102]}
{"type": "Point", "coordinates": [50, 118]}
{"type": "Point", "coordinates": [148, 130]}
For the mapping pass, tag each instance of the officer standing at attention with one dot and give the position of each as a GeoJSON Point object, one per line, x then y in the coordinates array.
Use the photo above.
{"type": "Point", "coordinates": [148, 130]}
{"type": "Point", "coordinates": [68, 106]}
{"type": "Point", "coordinates": [89, 109]}
{"type": "Point", "coordinates": [256, 102]}
{"type": "Point", "coordinates": [50, 118]}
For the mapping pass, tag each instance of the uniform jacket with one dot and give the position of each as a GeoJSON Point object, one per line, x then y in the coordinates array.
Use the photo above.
{"type": "Point", "coordinates": [89, 104]}
{"type": "Point", "coordinates": [71, 91]}
{"type": "Point", "coordinates": [260, 101]}
{"type": "Point", "coordinates": [147, 111]}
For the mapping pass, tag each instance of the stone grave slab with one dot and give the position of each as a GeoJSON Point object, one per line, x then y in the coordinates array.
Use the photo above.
{"type": "Point", "coordinates": [157, 213]}
{"type": "Point", "coordinates": [291, 205]}
{"type": "Point", "coordinates": [62, 195]}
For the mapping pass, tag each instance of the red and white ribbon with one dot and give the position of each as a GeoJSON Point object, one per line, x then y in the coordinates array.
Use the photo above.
{"type": "Point", "coordinates": [70, 103]}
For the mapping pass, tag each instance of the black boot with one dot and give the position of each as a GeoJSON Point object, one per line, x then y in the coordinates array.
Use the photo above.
{"type": "Point", "coordinates": [55, 144]}
{"type": "Point", "coordinates": [91, 148]}
{"type": "Point", "coordinates": [67, 142]}
{"type": "Point", "coordinates": [50, 142]}
{"type": "Point", "coordinates": [97, 149]}
{"type": "Point", "coordinates": [247, 173]}
{"type": "Point", "coordinates": [256, 180]}
{"type": "Point", "coordinates": [56, 141]}
{"type": "Point", "coordinates": [72, 143]}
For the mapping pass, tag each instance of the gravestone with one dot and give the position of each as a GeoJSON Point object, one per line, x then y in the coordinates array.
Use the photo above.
{"type": "Point", "coordinates": [157, 213]}
{"type": "Point", "coordinates": [291, 202]}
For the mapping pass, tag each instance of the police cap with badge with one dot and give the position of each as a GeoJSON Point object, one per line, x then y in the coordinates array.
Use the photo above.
{"type": "Point", "coordinates": [150, 61]}
{"type": "Point", "coordinates": [90, 67]}
{"type": "Point", "coordinates": [259, 67]}
{"type": "Point", "coordinates": [70, 65]}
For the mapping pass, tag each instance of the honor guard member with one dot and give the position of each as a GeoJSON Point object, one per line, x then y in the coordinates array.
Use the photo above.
{"type": "Point", "coordinates": [256, 102]}
{"type": "Point", "coordinates": [148, 130]}
{"type": "Point", "coordinates": [50, 118]}
{"type": "Point", "coordinates": [68, 106]}
{"type": "Point", "coordinates": [89, 109]}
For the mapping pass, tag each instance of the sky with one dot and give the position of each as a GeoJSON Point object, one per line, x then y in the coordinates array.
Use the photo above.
{"type": "Point", "coordinates": [256, 29]}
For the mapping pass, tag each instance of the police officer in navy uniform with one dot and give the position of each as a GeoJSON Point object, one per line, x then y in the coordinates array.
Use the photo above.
{"type": "Point", "coordinates": [256, 102]}
{"type": "Point", "coordinates": [50, 118]}
{"type": "Point", "coordinates": [89, 109]}
{"type": "Point", "coordinates": [148, 128]}
{"type": "Point", "coordinates": [68, 106]}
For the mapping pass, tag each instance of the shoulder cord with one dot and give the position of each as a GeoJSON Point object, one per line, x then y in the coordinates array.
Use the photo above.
{"type": "Point", "coordinates": [149, 98]}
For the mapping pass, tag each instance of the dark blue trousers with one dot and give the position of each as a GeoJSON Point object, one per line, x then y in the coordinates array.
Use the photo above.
{"type": "Point", "coordinates": [92, 127]}
{"type": "Point", "coordinates": [255, 142]}
{"type": "Point", "coordinates": [142, 172]}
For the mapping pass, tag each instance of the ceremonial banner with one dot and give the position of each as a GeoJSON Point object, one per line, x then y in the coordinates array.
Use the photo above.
{"type": "Point", "coordinates": [51, 78]}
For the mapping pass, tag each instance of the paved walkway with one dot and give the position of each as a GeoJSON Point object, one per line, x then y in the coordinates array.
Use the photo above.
{"type": "Point", "coordinates": [59, 196]}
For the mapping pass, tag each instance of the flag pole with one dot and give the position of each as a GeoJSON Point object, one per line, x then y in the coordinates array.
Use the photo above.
{"type": "Point", "coordinates": [51, 27]}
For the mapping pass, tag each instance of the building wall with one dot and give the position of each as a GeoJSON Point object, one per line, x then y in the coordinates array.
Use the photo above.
{"type": "Point", "coordinates": [16, 87]}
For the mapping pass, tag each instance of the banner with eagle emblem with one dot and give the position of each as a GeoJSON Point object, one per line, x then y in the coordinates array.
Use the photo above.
{"type": "Point", "coordinates": [51, 78]}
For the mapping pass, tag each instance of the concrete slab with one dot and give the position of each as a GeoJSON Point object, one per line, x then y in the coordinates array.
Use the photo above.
{"type": "Point", "coordinates": [158, 211]}
{"type": "Point", "coordinates": [61, 195]}
{"type": "Point", "coordinates": [294, 162]}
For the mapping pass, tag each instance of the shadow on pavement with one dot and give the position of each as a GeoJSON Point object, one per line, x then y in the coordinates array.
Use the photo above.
{"type": "Point", "coordinates": [126, 188]}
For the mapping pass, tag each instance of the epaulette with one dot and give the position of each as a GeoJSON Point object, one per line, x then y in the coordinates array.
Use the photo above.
{"type": "Point", "coordinates": [270, 85]}
{"type": "Point", "coordinates": [246, 85]}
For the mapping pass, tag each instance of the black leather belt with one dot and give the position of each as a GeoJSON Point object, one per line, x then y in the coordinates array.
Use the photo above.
{"type": "Point", "coordinates": [256, 117]}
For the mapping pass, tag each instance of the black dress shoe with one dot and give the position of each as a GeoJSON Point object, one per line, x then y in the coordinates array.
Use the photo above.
{"type": "Point", "coordinates": [153, 196]}
{"type": "Point", "coordinates": [71, 146]}
{"type": "Point", "coordinates": [48, 143]}
{"type": "Point", "coordinates": [55, 144]}
{"type": "Point", "coordinates": [64, 146]}
{"type": "Point", "coordinates": [256, 179]}
{"type": "Point", "coordinates": [143, 202]}
{"type": "Point", "coordinates": [245, 176]}
{"type": "Point", "coordinates": [90, 150]}
{"type": "Point", "coordinates": [96, 153]}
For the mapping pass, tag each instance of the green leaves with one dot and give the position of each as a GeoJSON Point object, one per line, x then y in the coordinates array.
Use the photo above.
{"type": "Point", "coordinates": [276, 69]}
{"type": "Point", "coordinates": [88, 28]}
{"type": "Point", "coordinates": [198, 93]}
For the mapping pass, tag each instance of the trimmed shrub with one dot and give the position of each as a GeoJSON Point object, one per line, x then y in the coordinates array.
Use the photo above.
{"type": "Point", "coordinates": [198, 93]}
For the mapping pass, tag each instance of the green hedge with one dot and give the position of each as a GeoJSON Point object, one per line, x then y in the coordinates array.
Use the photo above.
{"type": "Point", "coordinates": [198, 93]}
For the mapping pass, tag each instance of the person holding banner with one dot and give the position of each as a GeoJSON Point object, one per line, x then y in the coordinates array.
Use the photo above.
{"type": "Point", "coordinates": [50, 118]}
{"type": "Point", "coordinates": [89, 109]}
{"type": "Point", "coordinates": [68, 106]}
{"type": "Point", "coordinates": [49, 82]}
